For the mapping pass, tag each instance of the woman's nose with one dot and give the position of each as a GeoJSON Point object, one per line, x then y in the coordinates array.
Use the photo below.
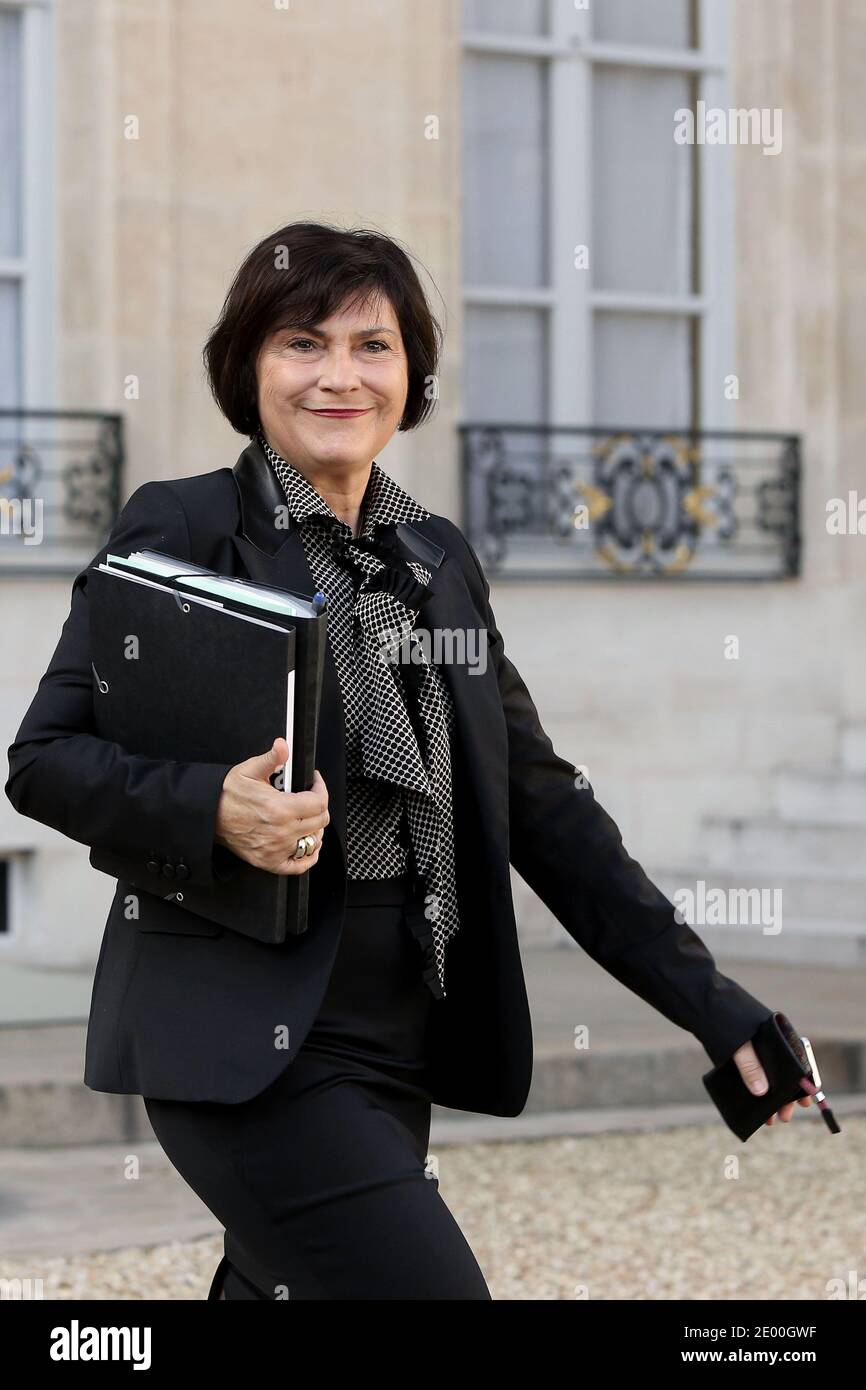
{"type": "Point", "coordinates": [338, 370]}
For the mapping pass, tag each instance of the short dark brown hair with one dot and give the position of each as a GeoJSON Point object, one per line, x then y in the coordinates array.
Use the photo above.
{"type": "Point", "coordinates": [300, 275]}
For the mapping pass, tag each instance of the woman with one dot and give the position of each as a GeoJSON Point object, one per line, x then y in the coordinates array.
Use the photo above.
{"type": "Point", "coordinates": [291, 1085]}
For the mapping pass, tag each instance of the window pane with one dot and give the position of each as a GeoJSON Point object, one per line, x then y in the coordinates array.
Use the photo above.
{"type": "Point", "coordinates": [642, 182]}
{"type": "Point", "coordinates": [642, 370]}
{"type": "Point", "coordinates": [657, 23]}
{"type": "Point", "coordinates": [10, 133]}
{"type": "Point", "coordinates": [506, 16]}
{"type": "Point", "coordinates": [10, 344]}
{"type": "Point", "coordinates": [505, 369]}
{"type": "Point", "coordinates": [504, 171]}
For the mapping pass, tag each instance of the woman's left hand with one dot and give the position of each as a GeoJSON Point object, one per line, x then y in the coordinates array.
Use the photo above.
{"type": "Point", "coordinates": [752, 1072]}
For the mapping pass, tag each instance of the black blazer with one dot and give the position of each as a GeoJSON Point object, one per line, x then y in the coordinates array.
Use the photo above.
{"type": "Point", "coordinates": [183, 1009]}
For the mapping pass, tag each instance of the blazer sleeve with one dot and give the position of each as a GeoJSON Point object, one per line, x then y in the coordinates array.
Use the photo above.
{"type": "Point", "coordinates": [570, 852]}
{"type": "Point", "coordinates": [90, 789]}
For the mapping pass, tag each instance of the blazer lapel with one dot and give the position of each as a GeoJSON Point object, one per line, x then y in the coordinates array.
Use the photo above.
{"type": "Point", "coordinates": [477, 703]}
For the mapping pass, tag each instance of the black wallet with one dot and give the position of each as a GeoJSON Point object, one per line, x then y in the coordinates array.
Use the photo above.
{"type": "Point", "coordinates": [781, 1053]}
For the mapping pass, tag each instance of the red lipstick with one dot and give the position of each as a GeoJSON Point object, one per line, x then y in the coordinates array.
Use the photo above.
{"type": "Point", "coordinates": [337, 414]}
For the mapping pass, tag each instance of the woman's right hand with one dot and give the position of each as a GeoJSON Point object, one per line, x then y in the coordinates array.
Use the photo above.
{"type": "Point", "coordinates": [263, 825]}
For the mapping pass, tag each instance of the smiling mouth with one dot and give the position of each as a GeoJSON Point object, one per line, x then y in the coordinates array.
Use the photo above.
{"type": "Point", "coordinates": [336, 412]}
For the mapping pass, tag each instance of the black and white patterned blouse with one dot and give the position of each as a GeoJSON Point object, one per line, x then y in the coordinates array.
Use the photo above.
{"type": "Point", "coordinates": [399, 718]}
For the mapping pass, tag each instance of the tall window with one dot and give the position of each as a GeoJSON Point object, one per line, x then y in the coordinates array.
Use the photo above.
{"type": "Point", "coordinates": [26, 183]}
{"type": "Point", "coordinates": [568, 121]}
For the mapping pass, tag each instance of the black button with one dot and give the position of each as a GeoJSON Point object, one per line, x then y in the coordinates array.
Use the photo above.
{"type": "Point", "coordinates": [182, 869]}
{"type": "Point", "coordinates": [168, 869]}
{"type": "Point", "coordinates": [153, 866]}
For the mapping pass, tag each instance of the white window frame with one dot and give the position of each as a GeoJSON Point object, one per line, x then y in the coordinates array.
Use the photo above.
{"type": "Point", "coordinates": [34, 268]}
{"type": "Point", "coordinates": [570, 300]}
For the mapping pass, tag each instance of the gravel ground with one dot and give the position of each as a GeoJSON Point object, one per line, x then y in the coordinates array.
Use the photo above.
{"type": "Point", "coordinates": [671, 1214]}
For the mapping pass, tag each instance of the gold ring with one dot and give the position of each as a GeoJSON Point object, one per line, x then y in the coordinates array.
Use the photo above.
{"type": "Point", "coordinates": [300, 848]}
{"type": "Point", "coordinates": [311, 843]}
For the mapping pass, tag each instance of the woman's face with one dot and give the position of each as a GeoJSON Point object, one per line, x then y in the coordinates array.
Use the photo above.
{"type": "Point", "coordinates": [354, 362]}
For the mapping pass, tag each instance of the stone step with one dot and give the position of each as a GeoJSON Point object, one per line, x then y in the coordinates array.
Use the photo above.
{"type": "Point", "coordinates": [773, 844]}
{"type": "Point", "coordinates": [802, 941]}
{"type": "Point", "coordinates": [853, 748]}
{"type": "Point", "coordinates": [637, 1056]}
{"type": "Point", "coordinates": [826, 797]}
{"type": "Point", "coordinates": [43, 1114]}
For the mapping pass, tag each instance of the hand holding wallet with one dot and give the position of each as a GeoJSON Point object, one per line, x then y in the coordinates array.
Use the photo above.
{"type": "Point", "coordinates": [788, 1064]}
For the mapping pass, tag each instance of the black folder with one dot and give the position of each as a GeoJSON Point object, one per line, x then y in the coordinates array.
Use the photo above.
{"type": "Point", "coordinates": [207, 680]}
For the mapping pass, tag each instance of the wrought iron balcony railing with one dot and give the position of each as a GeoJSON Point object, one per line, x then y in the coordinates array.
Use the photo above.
{"type": "Point", "coordinates": [593, 503]}
{"type": "Point", "coordinates": [60, 481]}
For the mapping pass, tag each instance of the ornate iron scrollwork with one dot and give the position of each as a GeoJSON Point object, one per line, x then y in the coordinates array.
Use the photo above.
{"type": "Point", "coordinates": [65, 466]}
{"type": "Point", "coordinates": [90, 494]}
{"type": "Point", "coordinates": [638, 503]}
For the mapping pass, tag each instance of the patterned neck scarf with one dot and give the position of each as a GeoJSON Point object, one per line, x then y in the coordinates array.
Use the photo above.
{"type": "Point", "coordinates": [406, 722]}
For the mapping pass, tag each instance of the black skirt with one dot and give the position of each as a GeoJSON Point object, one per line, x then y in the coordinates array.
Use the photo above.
{"type": "Point", "coordinates": [322, 1181]}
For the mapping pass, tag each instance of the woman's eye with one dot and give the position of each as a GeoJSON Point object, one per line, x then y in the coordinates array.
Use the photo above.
{"type": "Point", "coordinates": [375, 342]}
